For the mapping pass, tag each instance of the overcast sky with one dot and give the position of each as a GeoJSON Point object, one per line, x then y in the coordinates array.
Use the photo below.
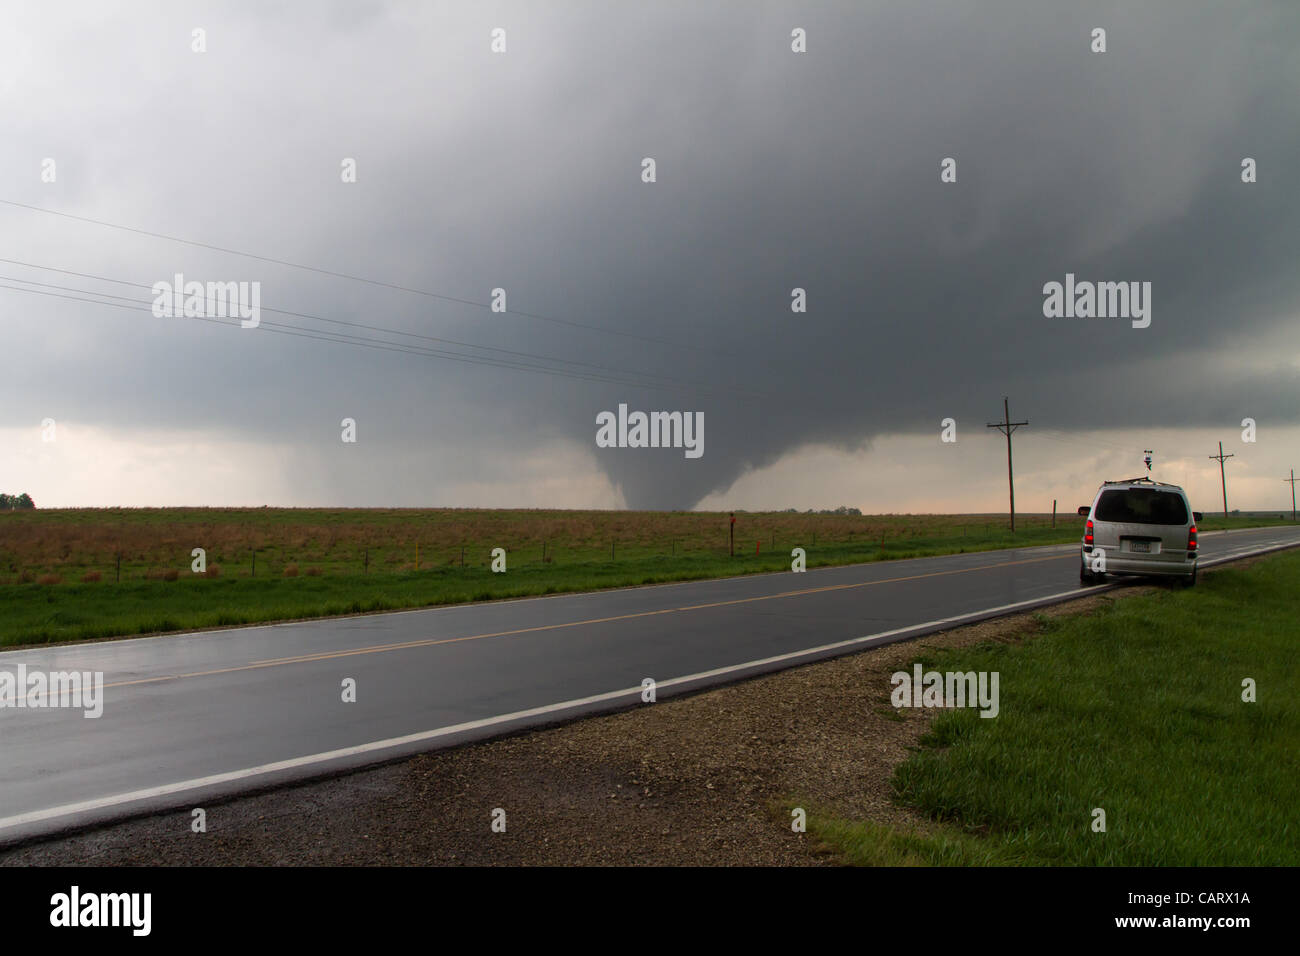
{"type": "Point", "coordinates": [522, 170]}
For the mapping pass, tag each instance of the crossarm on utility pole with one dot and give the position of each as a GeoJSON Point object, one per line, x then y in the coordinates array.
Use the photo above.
{"type": "Point", "coordinates": [1007, 426]}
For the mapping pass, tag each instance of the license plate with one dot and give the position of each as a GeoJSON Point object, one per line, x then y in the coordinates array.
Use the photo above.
{"type": "Point", "coordinates": [1144, 546]}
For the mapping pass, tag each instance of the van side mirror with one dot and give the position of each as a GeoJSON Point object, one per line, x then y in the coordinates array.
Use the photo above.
{"type": "Point", "coordinates": [1196, 516]}
{"type": "Point", "coordinates": [1084, 509]}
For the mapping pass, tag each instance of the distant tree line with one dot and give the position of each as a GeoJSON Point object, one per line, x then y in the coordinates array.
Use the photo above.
{"type": "Point", "coordinates": [16, 502]}
{"type": "Point", "coordinates": [841, 510]}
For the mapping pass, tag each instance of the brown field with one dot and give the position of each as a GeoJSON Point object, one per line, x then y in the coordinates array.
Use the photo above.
{"type": "Point", "coordinates": [154, 543]}
{"type": "Point", "coordinates": [151, 542]}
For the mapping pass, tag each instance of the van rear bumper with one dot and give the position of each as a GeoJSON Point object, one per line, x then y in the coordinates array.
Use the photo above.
{"type": "Point", "coordinates": [1164, 564]}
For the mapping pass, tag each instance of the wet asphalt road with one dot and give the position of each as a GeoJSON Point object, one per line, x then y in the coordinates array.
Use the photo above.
{"type": "Point", "coordinates": [188, 718]}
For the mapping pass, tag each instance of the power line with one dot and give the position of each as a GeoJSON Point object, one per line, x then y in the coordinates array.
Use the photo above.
{"type": "Point", "coordinates": [355, 278]}
{"type": "Point", "coordinates": [329, 337]}
{"type": "Point", "coordinates": [342, 339]}
{"type": "Point", "coordinates": [1075, 442]}
{"type": "Point", "coordinates": [374, 328]}
{"type": "Point", "coordinates": [1292, 480]}
{"type": "Point", "coordinates": [1089, 437]}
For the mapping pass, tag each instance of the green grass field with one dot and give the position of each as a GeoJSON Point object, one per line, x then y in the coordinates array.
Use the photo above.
{"type": "Point", "coordinates": [88, 573]}
{"type": "Point", "coordinates": [1136, 710]}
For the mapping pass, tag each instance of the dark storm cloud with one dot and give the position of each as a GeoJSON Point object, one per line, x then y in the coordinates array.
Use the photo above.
{"type": "Point", "coordinates": [776, 170]}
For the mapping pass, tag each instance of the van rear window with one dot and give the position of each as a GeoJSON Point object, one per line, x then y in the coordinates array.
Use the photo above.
{"type": "Point", "coordinates": [1142, 506]}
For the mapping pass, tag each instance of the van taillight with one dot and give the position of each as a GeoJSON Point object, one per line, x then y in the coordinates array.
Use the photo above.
{"type": "Point", "coordinates": [1191, 539]}
{"type": "Point", "coordinates": [1087, 534]}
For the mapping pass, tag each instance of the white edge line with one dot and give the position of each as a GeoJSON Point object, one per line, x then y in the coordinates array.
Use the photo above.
{"type": "Point", "coordinates": [100, 803]}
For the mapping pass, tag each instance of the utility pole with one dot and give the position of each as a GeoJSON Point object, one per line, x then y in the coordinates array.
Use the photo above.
{"type": "Point", "coordinates": [1222, 480]}
{"type": "Point", "coordinates": [1007, 426]}
{"type": "Point", "coordinates": [1292, 480]}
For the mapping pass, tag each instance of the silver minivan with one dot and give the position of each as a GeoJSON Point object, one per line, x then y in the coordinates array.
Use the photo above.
{"type": "Point", "coordinates": [1139, 526]}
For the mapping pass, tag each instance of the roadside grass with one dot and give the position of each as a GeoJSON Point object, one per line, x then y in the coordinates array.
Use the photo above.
{"type": "Point", "coordinates": [1137, 710]}
{"type": "Point", "coordinates": [33, 613]}
{"type": "Point", "coordinates": [873, 844]}
{"type": "Point", "coordinates": [61, 579]}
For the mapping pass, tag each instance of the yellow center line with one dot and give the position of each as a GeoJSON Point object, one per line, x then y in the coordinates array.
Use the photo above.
{"type": "Point", "coordinates": [430, 642]}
